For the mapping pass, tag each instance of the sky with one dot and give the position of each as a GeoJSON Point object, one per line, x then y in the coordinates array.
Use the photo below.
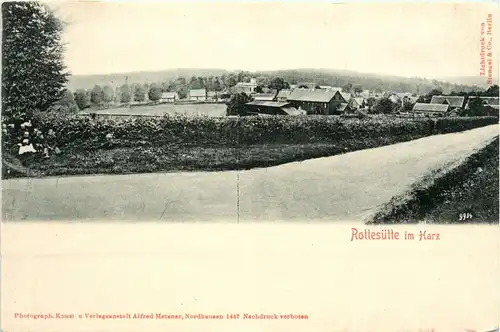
{"type": "Point", "coordinates": [413, 39]}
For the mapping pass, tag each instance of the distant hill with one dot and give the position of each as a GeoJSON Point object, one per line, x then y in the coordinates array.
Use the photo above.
{"type": "Point", "coordinates": [469, 80]}
{"type": "Point", "coordinates": [320, 76]}
{"type": "Point", "coordinates": [88, 81]}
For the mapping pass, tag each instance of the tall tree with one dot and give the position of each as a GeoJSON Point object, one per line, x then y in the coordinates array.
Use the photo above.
{"type": "Point", "coordinates": [97, 95]}
{"type": "Point", "coordinates": [154, 92]}
{"type": "Point", "coordinates": [108, 94]}
{"type": "Point", "coordinates": [125, 95]}
{"type": "Point", "coordinates": [347, 87]}
{"type": "Point", "coordinates": [194, 83]}
{"type": "Point", "coordinates": [231, 80]}
{"type": "Point", "coordinates": [201, 83]}
{"type": "Point", "coordinates": [476, 108]}
{"type": "Point", "coordinates": [278, 83]}
{"type": "Point", "coordinates": [33, 71]}
{"type": "Point", "coordinates": [384, 106]}
{"type": "Point", "coordinates": [236, 105]}
{"type": "Point", "coordinates": [118, 95]}
{"type": "Point", "coordinates": [140, 93]}
{"type": "Point", "coordinates": [82, 99]}
{"type": "Point", "coordinates": [216, 85]}
{"type": "Point", "coordinates": [66, 104]}
{"type": "Point", "coordinates": [492, 91]}
{"type": "Point", "coordinates": [358, 89]}
{"type": "Point", "coordinates": [428, 97]}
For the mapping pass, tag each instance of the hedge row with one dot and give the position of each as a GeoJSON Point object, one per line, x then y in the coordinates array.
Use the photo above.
{"type": "Point", "coordinates": [88, 133]}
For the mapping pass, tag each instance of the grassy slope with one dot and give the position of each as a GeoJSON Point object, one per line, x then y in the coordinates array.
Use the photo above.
{"type": "Point", "coordinates": [190, 158]}
{"type": "Point", "coordinates": [472, 187]}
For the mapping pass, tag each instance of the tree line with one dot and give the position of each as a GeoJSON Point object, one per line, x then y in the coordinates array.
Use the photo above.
{"type": "Point", "coordinates": [103, 96]}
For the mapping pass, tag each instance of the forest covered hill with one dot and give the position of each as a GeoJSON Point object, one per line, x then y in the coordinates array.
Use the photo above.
{"type": "Point", "coordinates": [320, 76]}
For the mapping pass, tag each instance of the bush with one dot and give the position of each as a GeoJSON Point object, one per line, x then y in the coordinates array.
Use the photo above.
{"type": "Point", "coordinates": [87, 133]}
{"type": "Point", "coordinates": [456, 124]}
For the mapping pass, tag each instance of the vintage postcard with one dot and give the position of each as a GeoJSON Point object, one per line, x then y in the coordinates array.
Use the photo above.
{"type": "Point", "coordinates": [250, 166]}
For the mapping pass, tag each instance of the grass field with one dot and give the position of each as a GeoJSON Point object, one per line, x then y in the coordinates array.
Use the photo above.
{"type": "Point", "coordinates": [211, 110]}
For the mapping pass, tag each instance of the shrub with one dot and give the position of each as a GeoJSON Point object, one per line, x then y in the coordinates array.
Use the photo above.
{"type": "Point", "coordinates": [87, 133]}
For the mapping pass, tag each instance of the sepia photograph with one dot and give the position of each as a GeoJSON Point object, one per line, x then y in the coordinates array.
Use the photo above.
{"type": "Point", "coordinates": [250, 166]}
{"type": "Point", "coordinates": [381, 113]}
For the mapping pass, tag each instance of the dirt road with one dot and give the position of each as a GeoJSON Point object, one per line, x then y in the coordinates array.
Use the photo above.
{"type": "Point", "coordinates": [343, 187]}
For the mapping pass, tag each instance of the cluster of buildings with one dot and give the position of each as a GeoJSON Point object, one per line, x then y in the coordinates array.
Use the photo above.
{"type": "Point", "coordinates": [304, 99]}
{"type": "Point", "coordinates": [313, 99]}
{"type": "Point", "coordinates": [453, 105]}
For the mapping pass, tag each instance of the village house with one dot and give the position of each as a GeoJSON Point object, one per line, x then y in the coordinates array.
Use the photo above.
{"type": "Point", "coordinates": [169, 97]}
{"type": "Point", "coordinates": [401, 97]}
{"type": "Point", "coordinates": [344, 108]}
{"type": "Point", "coordinates": [365, 94]}
{"type": "Point", "coordinates": [198, 95]}
{"type": "Point", "coordinates": [265, 96]}
{"type": "Point", "coordinates": [317, 101]}
{"type": "Point", "coordinates": [456, 103]}
{"type": "Point", "coordinates": [262, 107]}
{"type": "Point", "coordinates": [430, 109]}
{"type": "Point", "coordinates": [243, 87]}
{"type": "Point", "coordinates": [357, 103]}
{"type": "Point", "coordinates": [283, 95]}
{"type": "Point", "coordinates": [394, 98]}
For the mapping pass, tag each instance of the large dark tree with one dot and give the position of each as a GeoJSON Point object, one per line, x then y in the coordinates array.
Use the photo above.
{"type": "Point", "coordinates": [66, 104]}
{"type": "Point", "coordinates": [236, 106]}
{"type": "Point", "coordinates": [33, 71]}
{"type": "Point", "coordinates": [97, 95]}
{"type": "Point", "coordinates": [125, 94]}
{"type": "Point", "coordinates": [82, 99]}
{"type": "Point", "coordinates": [492, 91]}
{"type": "Point", "coordinates": [278, 84]}
{"type": "Point", "coordinates": [154, 93]}
{"type": "Point", "coordinates": [139, 92]}
{"type": "Point", "coordinates": [428, 97]}
{"type": "Point", "coordinates": [384, 106]}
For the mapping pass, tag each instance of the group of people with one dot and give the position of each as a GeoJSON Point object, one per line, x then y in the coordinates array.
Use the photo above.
{"type": "Point", "coordinates": [30, 139]}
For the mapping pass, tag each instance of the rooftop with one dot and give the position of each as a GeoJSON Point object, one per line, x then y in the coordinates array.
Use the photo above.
{"type": "Point", "coordinates": [439, 108]}
{"type": "Point", "coordinates": [264, 96]}
{"type": "Point", "coordinates": [312, 95]}
{"type": "Point", "coordinates": [198, 93]}
{"type": "Point", "coordinates": [266, 103]}
{"type": "Point", "coordinates": [455, 101]}
{"type": "Point", "coordinates": [284, 93]}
